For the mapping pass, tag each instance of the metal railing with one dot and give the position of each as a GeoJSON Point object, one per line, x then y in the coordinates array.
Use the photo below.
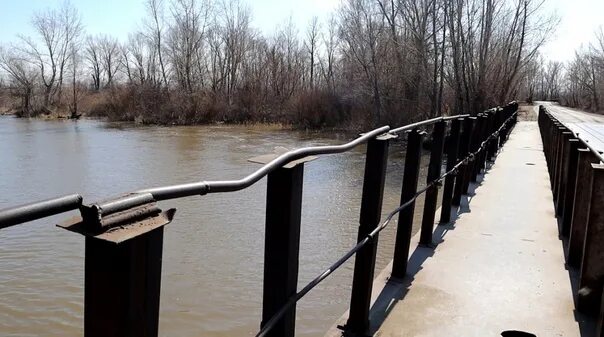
{"type": "Point", "coordinates": [577, 180]}
{"type": "Point", "coordinates": [124, 235]}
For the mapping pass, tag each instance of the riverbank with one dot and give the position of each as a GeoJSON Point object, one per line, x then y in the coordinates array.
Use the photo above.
{"type": "Point", "coordinates": [306, 109]}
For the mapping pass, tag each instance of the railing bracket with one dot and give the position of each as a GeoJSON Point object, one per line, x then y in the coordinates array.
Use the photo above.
{"type": "Point", "coordinates": [121, 225]}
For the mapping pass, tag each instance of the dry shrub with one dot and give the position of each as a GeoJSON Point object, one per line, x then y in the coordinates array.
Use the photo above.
{"type": "Point", "coordinates": [317, 109]}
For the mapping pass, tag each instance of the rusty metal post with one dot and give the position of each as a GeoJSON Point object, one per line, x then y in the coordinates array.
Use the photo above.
{"type": "Point", "coordinates": [282, 246]}
{"type": "Point", "coordinates": [592, 268]}
{"type": "Point", "coordinates": [558, 162]}
{"type": "Point", "coordinates": [464, 150]}
{"type": "Point", "coordinates": [547, 131]}
{"type": "Point", "coordinates": [434, 169]}
{"type": "Point", "coordinates": [122, 270]}
{"type": "Point", "coordinates": [122, 286]}
{"type": "Point", "coordinates": [474, 144]}
{"type": "Point", "coordinates": [487, 132]}
{"type": "Point", "coordinates": [569, 185]}
{"type": "Point", "coordinates": [371, 207]}
{"type": "Point", "coordinates": [476, 139]}
{"type": "Point", "coordinates": [467, 177]}
{"type": "Point", "coordinates": [556, 134]}
{"type": "Point", "coordinates": [563, 176]}
{"type": "Point", "coordinates": [452, 159]}
{"type": "Point", "coordinates": [408, 190]}
{"type": "Point", "coordinates": [550, 135]}
{"type": "Point", "coordinates": [492, 147]}
{"type": "Point", "coordinates": [503, 132]}
{"type": "Point", "coordinates": [580, 207]}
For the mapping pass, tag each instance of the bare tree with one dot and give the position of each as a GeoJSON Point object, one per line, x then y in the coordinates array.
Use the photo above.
{"type": "Point", "coordinates": [47, 27]}
{"type": "Point", "coordinates": [186, 37]}
{"type": "Point", "coordinates": [361, 29]}
{"type": "Point", "coordinates": [21, 76]}
{"type": "Point", "coordinates": [110, 54]}
{"type": "Point", "coordinates": [71, 31]}
{"type": "Point", "coordinates": [156, 28]}
{"type": "Point", "coordinates": [311, 44]}
{"type": "Point", "coordinates": [93, 57]}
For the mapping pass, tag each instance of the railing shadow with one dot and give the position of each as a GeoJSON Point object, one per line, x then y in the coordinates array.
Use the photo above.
{"type": "Point", "coordinates": [395, 290]}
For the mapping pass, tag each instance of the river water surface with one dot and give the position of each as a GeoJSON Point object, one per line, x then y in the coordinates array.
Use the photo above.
{"type": "Point", "coordinates": [213, 250]}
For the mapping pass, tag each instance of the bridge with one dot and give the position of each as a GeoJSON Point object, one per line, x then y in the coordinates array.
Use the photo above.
{"type": "Point", "coordinates": [510, 236]}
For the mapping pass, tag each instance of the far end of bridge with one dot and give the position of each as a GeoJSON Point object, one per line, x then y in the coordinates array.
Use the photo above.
{"type": "Point", "coordinates": [523, 258]}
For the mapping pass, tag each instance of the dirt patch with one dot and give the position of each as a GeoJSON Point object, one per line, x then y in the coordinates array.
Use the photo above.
{"type": "Point", "coordinates": [527, 112]}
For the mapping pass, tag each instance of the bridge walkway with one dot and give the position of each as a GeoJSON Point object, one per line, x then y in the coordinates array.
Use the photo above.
{"type": "Point", "coordinates": [500, 266]}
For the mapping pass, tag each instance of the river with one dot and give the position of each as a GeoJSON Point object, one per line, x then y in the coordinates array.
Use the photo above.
{"type": "Point", "coordinates": [213, 250]}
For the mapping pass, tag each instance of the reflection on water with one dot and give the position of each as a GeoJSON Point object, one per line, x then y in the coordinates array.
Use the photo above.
{"type": "Point", "coordinates": [213, 251]}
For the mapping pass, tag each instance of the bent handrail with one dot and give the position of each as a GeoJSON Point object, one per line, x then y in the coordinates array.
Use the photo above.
{"type": "Point", "coordinates": [37, 210]}
{"type": "Point", "coordinates": [205, 187]}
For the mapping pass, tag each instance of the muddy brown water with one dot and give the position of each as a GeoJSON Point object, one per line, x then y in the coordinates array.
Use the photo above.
{"type": "Point", "coordinates": [213, 250]}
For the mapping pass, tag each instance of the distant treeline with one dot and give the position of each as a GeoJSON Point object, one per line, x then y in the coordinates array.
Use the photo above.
{"type": "Point", "coordinates": [578, 83]}
{"type": "Point", "coordinates": [373, 62]}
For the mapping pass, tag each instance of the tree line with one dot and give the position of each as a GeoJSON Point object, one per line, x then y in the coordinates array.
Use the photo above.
{"type": "Point", "coordinates": [577, 83]}
{"type": "Point", "coordinates": [371, 62]}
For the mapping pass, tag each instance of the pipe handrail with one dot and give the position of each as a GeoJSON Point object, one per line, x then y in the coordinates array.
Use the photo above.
{"type": "Point", "coordinates": [37, 210]}
{"type": "Point", "coordinates": [41, 209]}
{"type": "Point", "coordinates": [427, 122]}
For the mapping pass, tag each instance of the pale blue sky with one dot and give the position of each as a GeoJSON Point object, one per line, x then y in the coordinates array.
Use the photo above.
{"type": "Point", "coordinates": [579, 18]}
{"type": "Point", "coordinates": [119, 17]}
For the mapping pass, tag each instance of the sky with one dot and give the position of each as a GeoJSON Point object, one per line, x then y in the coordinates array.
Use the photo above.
{"type": "Point", "coordinates": [120, 17]}
{"type": "Point", "coordinates": [579, 19]}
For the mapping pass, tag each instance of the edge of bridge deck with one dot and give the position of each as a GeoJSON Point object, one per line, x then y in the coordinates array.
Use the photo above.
{"type": "Point", "coordinates": [499, 267]}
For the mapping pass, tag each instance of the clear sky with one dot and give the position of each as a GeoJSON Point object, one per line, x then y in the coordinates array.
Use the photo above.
{"type": "Point", "coordinates": [579, 18]}
{"type": "Point", "coordinates": [579, 21]}
{"type": "Point", "coordinates": [120, 17]}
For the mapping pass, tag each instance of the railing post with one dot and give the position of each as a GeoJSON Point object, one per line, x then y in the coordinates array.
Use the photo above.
{"type": "Point", "coordinates": [558, 161]}
{"type": "Point", "coordinates": [493, 144]}
{"type": "Point", "coordinates": [569, 185]}
{"type": "Point", "coordinates": [592, 268]}
{"type": "Point", "coordinates": [485, 136]}
{"type": "Point", "coordinates": [122, 266]}
{"type": "Point", "coordinates": [464, 150]}
{"type": "Point", "coordinates": [371, 207]}
{"type": "Point", "coordinates": [122, 270]}
{"type": "Point", "coordinates": [580, 207]}
{"type": "Point", "coordinates": [408, 190]}
{"type": "Point", "coordinates": [502, 133]}
{"type": "Point", "coordinates": [468, 170]}
{"type": "Point", "coordinates": [434, 169]}
{"type": "Point", "coordinates": [282, 246]}
{"type": "Point", "coordinates": [479, 137]}
{"type": "Point", "coordinates": [563, 176]}
{"type": "Point", "coordinates": [452, 158]}
{"type": "Point", "coordinates": [122, 286]}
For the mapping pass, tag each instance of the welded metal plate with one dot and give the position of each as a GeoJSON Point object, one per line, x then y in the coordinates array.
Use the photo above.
{"type": "Point", "coordinates": [123, 232]}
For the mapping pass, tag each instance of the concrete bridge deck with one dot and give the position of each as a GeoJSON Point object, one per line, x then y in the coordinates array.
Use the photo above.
{"type": "Point", "coordinates": [499, 267]}
{"type": "Point", "coordinates": [589, 126]}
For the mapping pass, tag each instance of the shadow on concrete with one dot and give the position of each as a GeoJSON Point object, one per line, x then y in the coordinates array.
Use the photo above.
{"type": "Point", "coordinates": [396, 289]}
